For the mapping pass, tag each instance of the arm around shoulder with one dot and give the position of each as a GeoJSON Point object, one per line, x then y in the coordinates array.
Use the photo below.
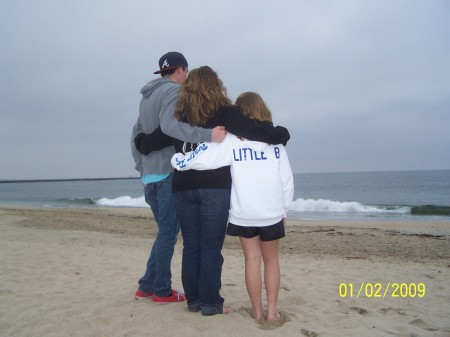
{"type": "Point", "coordinates": [148, 142]}
{"type": "Point", "coordinates": [252, 129]}
{"type": "Point", "coordinates": [207, 156]}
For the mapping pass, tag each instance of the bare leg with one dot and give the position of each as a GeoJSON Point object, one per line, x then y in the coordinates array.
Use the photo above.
{"type": "Point", "coordinates": [271, 276]}
{"type": "Point", "coordinates": [252, 253]}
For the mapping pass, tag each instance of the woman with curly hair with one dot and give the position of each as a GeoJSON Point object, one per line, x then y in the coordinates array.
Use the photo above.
{"type": "Point", "coordinates": [202, 198]}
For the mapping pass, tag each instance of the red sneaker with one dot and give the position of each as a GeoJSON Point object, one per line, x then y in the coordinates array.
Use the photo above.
{"type": "Point", "coordinates": [175, 297]}
{"type": "Point", "coordinates": [140, 295]}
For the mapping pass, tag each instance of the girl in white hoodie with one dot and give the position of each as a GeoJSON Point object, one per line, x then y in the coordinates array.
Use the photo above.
{"type": "Point", "coordinates": [262, 190]}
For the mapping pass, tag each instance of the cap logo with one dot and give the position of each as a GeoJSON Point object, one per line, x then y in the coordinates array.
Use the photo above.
{"type": "Point", "coordinates": [165, 64]}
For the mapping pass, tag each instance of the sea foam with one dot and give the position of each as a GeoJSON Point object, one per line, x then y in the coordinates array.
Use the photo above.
{"type": "Point", "coordinates": [299, 205]}
{"type": "Point", "coordinates": [124, 201]}
{"type": "Point", "coordinates": [321, 205]}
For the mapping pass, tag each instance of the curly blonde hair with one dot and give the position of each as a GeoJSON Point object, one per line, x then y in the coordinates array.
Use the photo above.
{"type": "Point", "coordinates": [252, 106]}
{"type": "Point", "coordinates": [201, 95]}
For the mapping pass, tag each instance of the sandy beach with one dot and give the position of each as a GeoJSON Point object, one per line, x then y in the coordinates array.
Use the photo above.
{"type": "Point", "coordinates": [73, 272]}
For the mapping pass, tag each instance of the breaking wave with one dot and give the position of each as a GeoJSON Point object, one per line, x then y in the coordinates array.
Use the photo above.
{"type": "Point", "coordinates": [124, 201]}
{"type": "Point", "coordinates": [321, 205]}
{"type": "Point", "coordinates": [298, 206]}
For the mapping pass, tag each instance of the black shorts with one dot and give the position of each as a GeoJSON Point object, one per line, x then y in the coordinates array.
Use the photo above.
{"type": "Point", "coordinates": [266, 233]}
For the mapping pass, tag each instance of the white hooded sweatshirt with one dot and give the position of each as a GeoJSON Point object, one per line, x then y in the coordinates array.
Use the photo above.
{"type": "Point", "coordinates": [263, 186]}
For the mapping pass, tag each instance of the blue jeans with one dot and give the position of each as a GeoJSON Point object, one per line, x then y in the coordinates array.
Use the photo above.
{"type": "Point", "coordinates": [203, 215]}
{"type": "Point", "coordinates": [158, 276]}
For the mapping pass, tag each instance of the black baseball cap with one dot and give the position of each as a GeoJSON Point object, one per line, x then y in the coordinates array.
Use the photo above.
{"type": "Point", "coordinates": [171, 60]}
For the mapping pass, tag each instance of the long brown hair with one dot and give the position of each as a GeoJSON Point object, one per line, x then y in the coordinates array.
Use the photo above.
{"type": "Point", "coordinates": [252, 106]}
{"type": "Point", "coordinates": [200, 96]}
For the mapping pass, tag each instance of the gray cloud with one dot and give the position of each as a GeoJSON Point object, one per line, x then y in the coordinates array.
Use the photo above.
{"type": "Point", "coordinates": [360, 85]}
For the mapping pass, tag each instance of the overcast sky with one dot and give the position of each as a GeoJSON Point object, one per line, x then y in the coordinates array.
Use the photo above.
{"type": "Point", "coordinates": [361, 85]}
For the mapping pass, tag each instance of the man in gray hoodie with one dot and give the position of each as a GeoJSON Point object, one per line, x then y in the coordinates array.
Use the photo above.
{"type": "Point", "coordinates": [159, 99]}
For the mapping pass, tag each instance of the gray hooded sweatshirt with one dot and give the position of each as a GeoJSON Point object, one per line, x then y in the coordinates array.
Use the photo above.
{"type": "Point", "coordinates": [157, 107]}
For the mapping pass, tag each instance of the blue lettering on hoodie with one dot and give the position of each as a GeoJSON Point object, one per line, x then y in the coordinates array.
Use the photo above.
{"type": "Point", "coordinates": [183, 162]}
{"type": "Point", "coordinates": [277, 152]}
{"type": "Point", "coordinates": [244, 154]}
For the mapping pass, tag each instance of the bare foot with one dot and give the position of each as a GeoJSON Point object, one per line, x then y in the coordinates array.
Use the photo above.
{"type": "Point", "coordinates": [271, 317]}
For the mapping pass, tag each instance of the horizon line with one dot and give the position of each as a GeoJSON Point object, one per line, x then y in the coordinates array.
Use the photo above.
{"type": "Point", "coordinates": [62, 179]}
{"type": "Point", "coordinates": [129, 178]}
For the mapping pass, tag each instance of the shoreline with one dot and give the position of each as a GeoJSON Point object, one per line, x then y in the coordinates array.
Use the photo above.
{"type": "Point", "coordinates": [80, 266]}
{"type": "Point", "coordinates": [307, 216]}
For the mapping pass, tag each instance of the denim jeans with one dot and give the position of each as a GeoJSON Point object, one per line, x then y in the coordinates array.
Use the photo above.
{"type": "Point", "coordinates": [158, 276]}
{"type": "Point", "coordinates": [203, 215]}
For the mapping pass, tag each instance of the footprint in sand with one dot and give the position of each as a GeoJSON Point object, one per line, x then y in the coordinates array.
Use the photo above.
{"type": "Point", "coordinates": [360, 311]}
{"type": "Point", "coordinates": [282, 318]}
{"type": "Point", "coordinates": [246, 312]}
{"type": "Point", "coordinates": [309, 333]}
{"type": "Point", "coordinates": [422, 324]}
{"type": "Point", "coordinates": [384, 311]}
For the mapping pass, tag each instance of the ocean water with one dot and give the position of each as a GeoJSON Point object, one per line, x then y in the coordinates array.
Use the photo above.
{"type": "Point", "coordinates": [398, 195]}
